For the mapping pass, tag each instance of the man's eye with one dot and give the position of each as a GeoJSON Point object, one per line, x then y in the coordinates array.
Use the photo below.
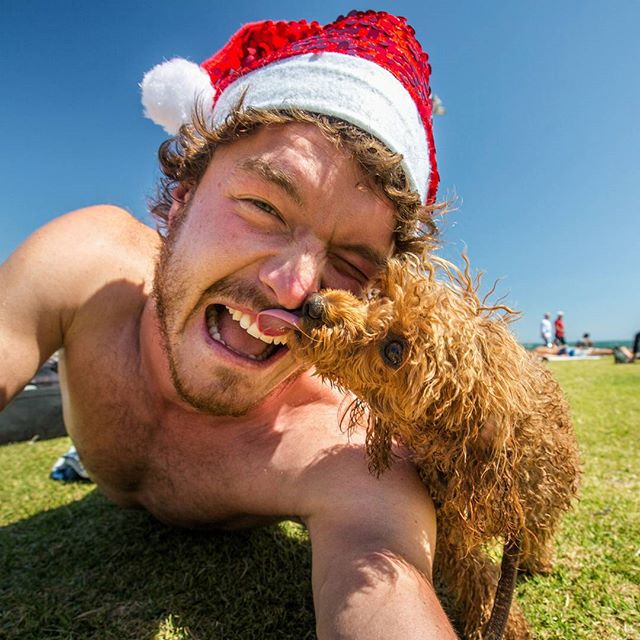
{"type": "Point", "coordinates": [341, 274]}
{"type": "Point", "coordinates": [253, 204]}
{"type": "Point", "coordinates": [345, 268]}
{"type": "Point", "coordinates": [264, 206]}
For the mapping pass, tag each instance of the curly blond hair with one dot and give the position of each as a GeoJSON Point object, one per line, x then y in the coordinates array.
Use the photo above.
{"type": "Point", "coordinates": [184, 159]}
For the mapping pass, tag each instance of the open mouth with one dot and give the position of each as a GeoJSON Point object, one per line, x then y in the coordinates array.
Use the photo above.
{"type": "Point", "coordinates": [238, 332]}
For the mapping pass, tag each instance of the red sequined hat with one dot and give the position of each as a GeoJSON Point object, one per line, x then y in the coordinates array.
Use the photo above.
{"type": "Point", "coordinates": [366, 68]}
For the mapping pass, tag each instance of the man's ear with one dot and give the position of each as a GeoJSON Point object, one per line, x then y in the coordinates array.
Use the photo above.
{"type": "Point", "coordinates": [180, 194]}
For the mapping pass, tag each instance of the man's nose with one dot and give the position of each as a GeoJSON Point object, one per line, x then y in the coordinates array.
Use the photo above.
{"type": "Point", "coordinates": [292, 277]}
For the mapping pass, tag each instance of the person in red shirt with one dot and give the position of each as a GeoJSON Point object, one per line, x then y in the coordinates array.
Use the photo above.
{"type": "Point", "coordinates": [559, 329]}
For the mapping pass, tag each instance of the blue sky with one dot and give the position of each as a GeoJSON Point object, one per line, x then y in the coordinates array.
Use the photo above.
{"type": "Point", "coordinates": [540, 143]}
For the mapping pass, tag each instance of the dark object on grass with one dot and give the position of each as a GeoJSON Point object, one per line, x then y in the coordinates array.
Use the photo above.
{"type": "Point", "coordinates": [37, 411]}
{"type": "Point", "coordinates": [623, 355]}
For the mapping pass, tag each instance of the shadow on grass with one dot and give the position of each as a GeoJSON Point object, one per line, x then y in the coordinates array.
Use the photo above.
{"type": "Point", "coordinates": [92, 570]}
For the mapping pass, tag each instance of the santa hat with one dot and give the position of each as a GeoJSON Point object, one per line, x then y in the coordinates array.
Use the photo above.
{"type": "Point", "coordinates": [366, 68]}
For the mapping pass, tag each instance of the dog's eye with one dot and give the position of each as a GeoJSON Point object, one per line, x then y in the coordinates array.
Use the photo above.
{"type": "Point", "coordinates": [392, 352]}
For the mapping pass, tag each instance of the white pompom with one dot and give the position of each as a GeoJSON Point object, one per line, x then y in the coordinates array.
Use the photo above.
{"type": "Point", "coordinates": [170, 91]}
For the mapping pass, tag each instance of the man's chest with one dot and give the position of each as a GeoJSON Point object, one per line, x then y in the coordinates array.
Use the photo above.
{"type": "Point", "coordinates": [179, 465]}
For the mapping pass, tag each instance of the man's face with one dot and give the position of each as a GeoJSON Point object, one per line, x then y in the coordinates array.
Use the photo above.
{"type": "Point", "coordinates": [277, 215]}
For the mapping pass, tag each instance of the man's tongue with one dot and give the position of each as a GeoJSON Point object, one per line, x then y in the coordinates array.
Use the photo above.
{"type": "Point", "coordinates": [237, 338]}
{"type": "Point", "coordinates": [277, 322]}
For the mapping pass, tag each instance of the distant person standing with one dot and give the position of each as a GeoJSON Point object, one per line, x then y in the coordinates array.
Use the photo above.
{"type": "Point", "coordinates": [545, 330]}
{"type": "Point", "coordinates": [559, 328]}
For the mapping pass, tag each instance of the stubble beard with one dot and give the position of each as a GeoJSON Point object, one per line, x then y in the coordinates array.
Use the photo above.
{"type": "Point", "coordinates": [223, 395]}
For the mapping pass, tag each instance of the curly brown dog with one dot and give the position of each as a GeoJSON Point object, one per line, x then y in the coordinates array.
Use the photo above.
{"type": "Point", "coordinates": [434, 369]}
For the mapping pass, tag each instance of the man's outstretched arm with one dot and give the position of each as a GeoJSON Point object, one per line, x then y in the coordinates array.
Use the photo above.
{"type": "Point", "coordinates": [46, 280]}
{"type": "Point", "coordinates": [372, 562]}
{"type": "Point", "coordinates": [30, 304]}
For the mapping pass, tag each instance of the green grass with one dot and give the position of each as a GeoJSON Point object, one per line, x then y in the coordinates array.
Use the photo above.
{"type": "Point", "coordinates": [74, 566]}
{"type": "Point", "coordinates": [594, 591]}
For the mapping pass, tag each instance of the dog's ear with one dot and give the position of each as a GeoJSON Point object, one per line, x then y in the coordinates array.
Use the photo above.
{"type": "Point", "coordinates": [379, 434]}
{"type": "Point", "coordinates": [379, 443]}
{"type": "Point", "coordinates": [357, 415]}
{"type": "Point", "coordinates": [406, 262]}
{"type": "Point", "coordinates": [397, 274]}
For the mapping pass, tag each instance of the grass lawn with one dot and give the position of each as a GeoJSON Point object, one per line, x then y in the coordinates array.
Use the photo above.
{"type": "Point", "coordinates": [73, 566]}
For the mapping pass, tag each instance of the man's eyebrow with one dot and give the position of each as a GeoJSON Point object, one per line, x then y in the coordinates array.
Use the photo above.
{"type": "Point", "coordinates": [287, 183]}
{"type": "Point", "coordinates": [274, 174]}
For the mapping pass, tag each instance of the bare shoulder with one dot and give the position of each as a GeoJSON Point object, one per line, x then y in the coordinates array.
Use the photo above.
{"type": "Point", "coordinates": [55, 272]}
{"type": "Point", "coordinates": [79, 252]}
{"type": "Point", "coordinates": [101, 234]}
{"type": "Point", "coordinates": [104, 218]}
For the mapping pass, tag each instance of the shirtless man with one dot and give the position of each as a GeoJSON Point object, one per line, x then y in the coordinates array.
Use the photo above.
{"type": "Point", "coordinates": [213, 427]}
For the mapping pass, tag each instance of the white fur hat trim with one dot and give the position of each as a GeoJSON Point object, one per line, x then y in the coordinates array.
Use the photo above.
{"type": "Point", "coordinates": [348, 87]}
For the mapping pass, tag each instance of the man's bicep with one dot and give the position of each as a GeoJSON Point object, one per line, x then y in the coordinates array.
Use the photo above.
{"type": "Point", "coordinates": [32, 300]}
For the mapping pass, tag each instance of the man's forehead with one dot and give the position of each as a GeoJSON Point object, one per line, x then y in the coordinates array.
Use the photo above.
{"type": "Point", "coordinates": [299, 160]}
{"type": "Point", "coordinates": [304, 139]}
{"type": "Point", "coordinates": [295, 153]}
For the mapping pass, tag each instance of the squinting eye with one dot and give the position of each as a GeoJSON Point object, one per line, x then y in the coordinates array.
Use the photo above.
{"type": "Point", "coordinates": [347, 270]}
{"type": "Point", "coordinates": [392, 352]}
{"type": "Point", "coordinates": [267, 208]}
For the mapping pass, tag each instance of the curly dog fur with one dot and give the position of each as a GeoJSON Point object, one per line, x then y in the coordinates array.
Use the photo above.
{"type": "Point", "coordinates": [435, 369]}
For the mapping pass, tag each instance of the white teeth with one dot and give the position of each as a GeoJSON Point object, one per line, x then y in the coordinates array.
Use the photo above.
{"type": "Point", "coordinates": [213, 329]}
{"type": "Point", "coordinates": [251, 327]}
{"type": "Point", "coordinates": [256, 333]}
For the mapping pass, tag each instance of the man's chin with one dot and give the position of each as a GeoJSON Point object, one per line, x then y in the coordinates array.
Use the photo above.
{"type": "Point", "coordinates": [223, 399]}
{"type": "Point", "coordinates": [215, 406]}
{"type": "Point", "coordinates": [232, 395]}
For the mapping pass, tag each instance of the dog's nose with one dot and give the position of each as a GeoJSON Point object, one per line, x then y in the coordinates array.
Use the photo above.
{"type": "Point", "coordinates": [313, 308]}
